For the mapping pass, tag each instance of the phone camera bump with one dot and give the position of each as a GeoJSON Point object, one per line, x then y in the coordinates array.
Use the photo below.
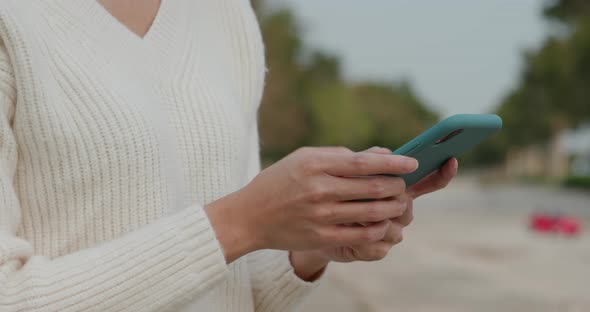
{"type": "Point", "coordinates": [448, 136]}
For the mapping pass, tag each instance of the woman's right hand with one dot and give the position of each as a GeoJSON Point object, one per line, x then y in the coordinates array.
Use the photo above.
{"type": "Point", "coordinates": [305, 200]}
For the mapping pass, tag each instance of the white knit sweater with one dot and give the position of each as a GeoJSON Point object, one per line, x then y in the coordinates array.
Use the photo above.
{"type": "Point", "coordinates": [110, 145]}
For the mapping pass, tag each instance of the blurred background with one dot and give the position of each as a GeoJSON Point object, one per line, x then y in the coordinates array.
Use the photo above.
{"type": "Point", "coordinates": [508, 234]}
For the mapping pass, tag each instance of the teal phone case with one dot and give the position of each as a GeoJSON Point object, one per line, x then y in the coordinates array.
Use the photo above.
{"type": "Point", "coordinates": [431, 156]}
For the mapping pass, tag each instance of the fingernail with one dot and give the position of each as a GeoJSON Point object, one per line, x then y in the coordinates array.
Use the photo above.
{"type": "Point", "coordinates": [404, 207]}
{"type": "Point", "coordinates": [410, 163]}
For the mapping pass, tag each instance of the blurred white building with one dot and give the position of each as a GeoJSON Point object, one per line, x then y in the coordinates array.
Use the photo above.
{"type": "Point", "coordinates": [566, 153]}
{"type": "Point", "coordinates": [576, 144]}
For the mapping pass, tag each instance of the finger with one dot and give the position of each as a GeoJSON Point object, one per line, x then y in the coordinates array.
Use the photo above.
{"type": "Point", "coordinates": [372, 252]}
{"type": "Point", "coordinates": [436, 180]}
{"type": "Point", "coordinates": [378, 150]}
{"type": "Point", "coordinates": [395, 234]}
{"type": "Point", "coordinates": [354, 188]}
{"type": "Point", "coordinates": [364, 164]}
{"type": "Point", "coordinates": [342, 235]}
{"type": "Point", "coordinates": [360, 212]}
{"type": "Point", "coordinates": [408, 216]}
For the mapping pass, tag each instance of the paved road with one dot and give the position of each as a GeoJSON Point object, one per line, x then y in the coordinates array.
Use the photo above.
{"type": "Point", "coordinates": [469, 250]}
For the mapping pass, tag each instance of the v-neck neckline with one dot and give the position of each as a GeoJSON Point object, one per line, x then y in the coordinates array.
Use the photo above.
{"type": "Point", "coordinates": [161, 33]}
{"type": "Point", "coordinates": [154, 50]}
{"type": "Point", "coordinates": [106, 18]}
{"type": "Point", "coordinates": [150, 27]}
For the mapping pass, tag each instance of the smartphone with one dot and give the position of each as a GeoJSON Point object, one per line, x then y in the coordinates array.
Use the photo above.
{"type": "Point", "coordinates": [449, 138]}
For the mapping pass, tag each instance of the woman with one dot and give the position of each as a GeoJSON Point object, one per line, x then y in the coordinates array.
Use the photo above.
{"type": "Point", "coordinates": [129, 167]}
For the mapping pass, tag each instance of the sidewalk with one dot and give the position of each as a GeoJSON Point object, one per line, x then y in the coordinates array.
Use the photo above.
{"type": "Point", "coordinates": [469, 250]}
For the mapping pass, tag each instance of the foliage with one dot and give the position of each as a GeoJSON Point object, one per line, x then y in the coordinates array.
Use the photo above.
{"type": "Point", "coordinates": [553, 92]}
{"type": "Point", "coordinates": [577, 182]}
{"type": "Point", "coordinates": [307, 102]}
{"type": "Point", "coordinates": [395, 112]}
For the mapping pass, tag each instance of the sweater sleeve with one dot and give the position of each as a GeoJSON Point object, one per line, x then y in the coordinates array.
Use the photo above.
{"type": "Point", "coordinates": [162, 265]}
{"type": "Point", "coordinates": [275, 285]}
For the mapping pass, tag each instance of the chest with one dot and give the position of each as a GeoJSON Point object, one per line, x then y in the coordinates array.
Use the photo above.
{"type": "Point", "coordinates": [174, 106]}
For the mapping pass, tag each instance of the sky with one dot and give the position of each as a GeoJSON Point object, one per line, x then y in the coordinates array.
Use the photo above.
{"type": "Point", "coordinates": [462, 56]}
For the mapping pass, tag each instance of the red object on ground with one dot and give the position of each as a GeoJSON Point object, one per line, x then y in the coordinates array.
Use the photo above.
{"type": "Point", "coordinates": [568, 226]}
{"type": "Point", "coordinates": [542, 223]}
{"type": "Point", "coordinates": [550, 223]}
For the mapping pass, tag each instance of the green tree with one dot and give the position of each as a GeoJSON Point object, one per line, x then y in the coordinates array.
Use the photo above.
{"type": "Point", "coordinates": [395, 112]}
{"type": "Point", "coordinates": [553, 92]}
{"type": "Point", "coordinates": [307, 102]}
{"type": "Point", "coordinates": [284, 124]}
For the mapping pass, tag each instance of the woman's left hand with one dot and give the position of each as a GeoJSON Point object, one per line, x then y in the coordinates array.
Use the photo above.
{"type": "Point", "coordinates": [309, 264]}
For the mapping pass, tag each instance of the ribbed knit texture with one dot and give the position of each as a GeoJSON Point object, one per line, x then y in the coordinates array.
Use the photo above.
{"type": "Point", "coordinates": [111, 144]}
